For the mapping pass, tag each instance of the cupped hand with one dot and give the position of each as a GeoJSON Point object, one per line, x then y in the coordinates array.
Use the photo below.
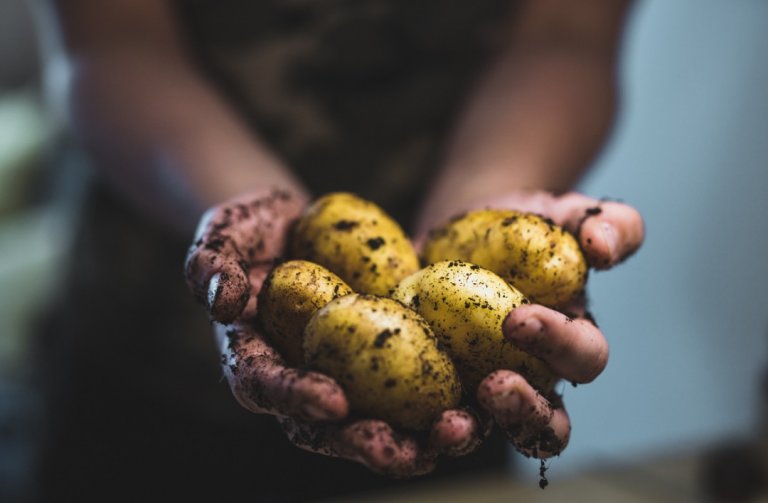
{"type": "Point", "coordinates": [312, 408]}
{"type": "Point", "coordinates": [236, 245]}
{"type": "Point", "coordinates": [569, 341]}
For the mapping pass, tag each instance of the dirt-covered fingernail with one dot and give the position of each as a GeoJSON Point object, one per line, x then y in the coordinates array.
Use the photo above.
{"type": "Point", "coordinates": [214, 290]}
{"type": "Point", "coordinates": [227, 296]}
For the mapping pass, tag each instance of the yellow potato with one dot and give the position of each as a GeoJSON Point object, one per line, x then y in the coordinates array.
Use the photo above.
{"type": "Point", "coordinates": [466, 305]}
{"type": "Point", "coordinates": [291, 294]}
{"type": "Point", "coordinates": [386, 359]}
{"type": "Point", "coordinates": [357, 240]}
{"type": "Point", "coordinates": [539, 258]}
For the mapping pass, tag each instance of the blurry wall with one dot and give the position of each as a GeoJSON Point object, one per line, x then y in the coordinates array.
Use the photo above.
{"type": "Point", "coordinates": [687, 318]}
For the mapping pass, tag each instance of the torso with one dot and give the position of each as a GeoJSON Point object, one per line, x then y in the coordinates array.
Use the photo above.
{"type": "Point", "coordinates": [354, 94]}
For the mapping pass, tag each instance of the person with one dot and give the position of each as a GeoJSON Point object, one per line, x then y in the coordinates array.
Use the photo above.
{"type": "Point", "coordinates": [191, 110]}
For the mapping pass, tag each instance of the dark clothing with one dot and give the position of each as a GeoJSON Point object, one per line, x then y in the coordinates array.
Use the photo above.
{"type": "Point", "coordinates": [355, 95]}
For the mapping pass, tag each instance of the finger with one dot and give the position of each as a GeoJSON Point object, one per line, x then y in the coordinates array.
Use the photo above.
{"type": "Point", "coordinates": [218, 280]}
{"type": "Point", "coordinates": [535, 427]}
{"type": "Point", "coordinates": [370, 442]}
{"type": "Point", "coordinates": [383, 450]}
{"type": "Point", "coordinates": [262, 383]}
{"type": "Point", "coordinates": [315, 437]}
{"type": "Point", "coordinates": [608, 231]}
{"type": "Point", "coordinates": [458, 432]}
{"type": "Point", "coordinates": [574, 348]}
{"type": "Point", "coordinates": [232, 238]}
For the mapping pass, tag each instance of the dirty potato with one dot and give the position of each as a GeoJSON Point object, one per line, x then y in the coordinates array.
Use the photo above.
{"type": "Point", "coordinates": [539, 258]}
{"type": "Point", "coordinates": [386, 359]}
{"type": "Point", "coordinates": [291, 294]}
{"type": "Point", "coordinates": [357, 240]}
{"type": "Point", "coordinates": [466, 305]}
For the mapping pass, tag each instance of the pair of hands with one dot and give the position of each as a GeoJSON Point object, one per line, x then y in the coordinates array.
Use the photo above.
{"type": "Point", "coordinates": [235, 247]}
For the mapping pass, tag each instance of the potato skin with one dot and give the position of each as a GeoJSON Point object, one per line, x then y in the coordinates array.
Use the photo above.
{"type": "Point", "coordinates": [355, 239]}
{"type": "Point", "coordinates": [531, 253]}
{"type": "Point", "coordinates": [290, 295]}
{"type": "Point", "coordinates": [466, 306]}
{"type": "Point", "coordinates": [386, 359]}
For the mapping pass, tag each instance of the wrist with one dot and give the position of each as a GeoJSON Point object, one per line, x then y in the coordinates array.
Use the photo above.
{"type": "Point", "coordinates": [460, 192]}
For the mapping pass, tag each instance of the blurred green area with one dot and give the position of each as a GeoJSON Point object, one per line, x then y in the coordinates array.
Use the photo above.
{"type": "Point", "coordinates": [32, 232]}
{"type": "Point", "coordinates": [33, 239]}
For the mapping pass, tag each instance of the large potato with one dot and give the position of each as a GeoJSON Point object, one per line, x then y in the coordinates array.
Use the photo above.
{"type": "Point", "coordinates": [539, 258]}
{"type": "Point", "coordinates": [291, 294]}
{"type": "Point", "coordinates": [386, 359]}
{"type": "Point", "coordinates": [466, 305]}
{"type": "Point", "coordinates": [357, 240]}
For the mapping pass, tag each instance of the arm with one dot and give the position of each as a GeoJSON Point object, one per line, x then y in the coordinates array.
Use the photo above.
{"type": "Point", "coordinates": [529, 132]}
{"type": "Point", "coordinates": [152, 124]}
{"type": "Point", "coordinates": [543, 110]}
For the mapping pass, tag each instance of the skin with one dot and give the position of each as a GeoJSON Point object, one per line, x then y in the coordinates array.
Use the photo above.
{"type": "Point", "coordinates": [530, 129]}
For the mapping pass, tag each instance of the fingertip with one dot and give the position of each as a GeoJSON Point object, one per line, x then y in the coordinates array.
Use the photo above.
{"type": "Point", "coordinates": [377, 446]}
{"type": "Point", "coordinates": [313, 396]}
{"type": "Point", "coordinates": [611, 236]}
{"type": "Point", "coordinates": [500, 393]}
{"type": "Point", "coordinates": [600, 243]}
{"type": "Point", "coordinates": [455, 433]}
{"type": "Point", "coordinates": [548, 440]}
{"type": "Point", "coordinates": [313, 412]}
{"type": "Point", "coordinates": [526, 417]}
{"type": "Point", "coordinates": [523, 321]}
{"type": "Point", "coordinates": [330, 405]}
{"type": "Point", "coordinates": [228, 293]}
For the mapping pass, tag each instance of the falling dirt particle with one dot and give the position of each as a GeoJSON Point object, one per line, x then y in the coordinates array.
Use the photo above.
{"type": "Point", "coordinates": [543, 481]}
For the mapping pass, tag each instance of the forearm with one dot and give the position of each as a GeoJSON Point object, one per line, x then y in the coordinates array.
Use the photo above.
{"type": "Point", "coordinates": [537, 119]}
{"type": "Point", "coordinates": [166, 140]}
{"type": "Point", "coordinates": [151, 123]}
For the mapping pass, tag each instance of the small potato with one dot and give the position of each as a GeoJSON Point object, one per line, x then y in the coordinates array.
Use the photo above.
{"type": "Point", "coordinates": [357, 240]}
{"type": "Point", "coordinates": [466, 305]}
{"type": "Point", "coordinates": [386, 359]}
{"type": "Point", "coordinates": [539, 258]}
{"type": "Point", "coordinates": [291, 294]}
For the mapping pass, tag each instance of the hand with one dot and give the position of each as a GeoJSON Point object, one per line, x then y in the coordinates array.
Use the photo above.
{"type": "Point", "coordinates": [236, 246]}
{"type": "Point", "coordinates": [570, 342]}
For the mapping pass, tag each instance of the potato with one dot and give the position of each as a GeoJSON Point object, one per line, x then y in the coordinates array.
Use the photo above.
{"type": "Point", "coordinates": [290, 295]}
{"type": "Point", "coordinates": [386, 359]}
{"type": "Point", "coordinates": [466, 305]}
{"type": "Point", "coordinates": [357, 240]}
{"type": "Point", "coordinates": [531, 253]}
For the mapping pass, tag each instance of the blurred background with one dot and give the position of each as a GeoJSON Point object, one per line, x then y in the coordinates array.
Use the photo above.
{"type": "Point", "coordinates": [681, 412]}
